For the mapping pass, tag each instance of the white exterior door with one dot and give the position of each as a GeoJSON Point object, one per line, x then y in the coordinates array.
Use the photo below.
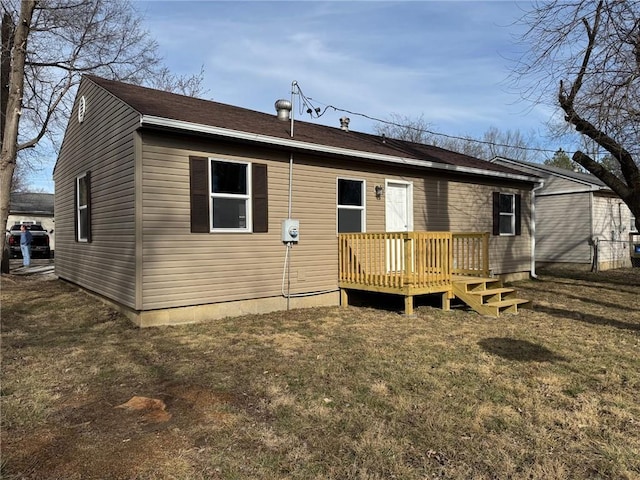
{"type": "Point", "coordinates": [398, 218]}
{"type": "Point", "coordinates": [398, 206]}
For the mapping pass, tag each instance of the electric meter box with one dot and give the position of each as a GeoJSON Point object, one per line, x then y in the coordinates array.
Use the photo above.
{"type": "Point", "coordinates": [290, 230]}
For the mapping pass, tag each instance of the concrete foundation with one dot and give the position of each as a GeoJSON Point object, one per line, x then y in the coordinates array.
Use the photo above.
{"type": "Point", "coordinates": [216, 311]}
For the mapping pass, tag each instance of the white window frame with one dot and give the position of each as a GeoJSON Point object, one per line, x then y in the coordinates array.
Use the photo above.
{"type": "Point", "coordinates": [511, 214]}
{"type": "Point", "coordinates": [362, 208]}
{"type": "Point", "coordinates": [81, 208]}
{"type": "Point", "coordinates": [246, 197]}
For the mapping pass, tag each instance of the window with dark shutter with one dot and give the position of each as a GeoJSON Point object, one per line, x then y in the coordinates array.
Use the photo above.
{"type": "Point", "coordinates": [199, 191]}
{"type": "Point", "coordinates": [237, 193]}
{"type": "Point", "coordinates": [260, 198]}
{"type": "Point", "coordinates": [518, 219]}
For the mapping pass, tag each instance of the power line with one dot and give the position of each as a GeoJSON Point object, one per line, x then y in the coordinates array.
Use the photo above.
{"type": "Point", "coordinates": [312, 110]}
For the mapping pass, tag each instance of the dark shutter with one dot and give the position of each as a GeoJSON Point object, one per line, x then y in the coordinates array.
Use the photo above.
{"type": "Point", "coordinates": [75, 209]}
{"type": "Point", "coordinates": [496, 213]}
{"type": "Point", "coordinates": [199, 192]}
{"type": "Point", "coordinates": [260, 198]}
{"type": "Point", "coordinates": [518, 216]}
{"type": "Point", "coordinates": [87, 180]}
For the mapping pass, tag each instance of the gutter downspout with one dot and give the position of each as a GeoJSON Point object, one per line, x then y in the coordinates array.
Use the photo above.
{"type": "Point", "coordinates": [533, 228]}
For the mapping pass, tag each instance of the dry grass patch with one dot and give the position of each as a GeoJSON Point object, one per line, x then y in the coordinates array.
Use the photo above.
{"type": "Point", "coordinates": [330, 393]}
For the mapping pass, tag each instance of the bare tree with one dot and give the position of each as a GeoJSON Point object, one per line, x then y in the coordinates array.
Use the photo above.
{"type": "Point", "coordinates": [588, 55]}
{"type": "Point", "coordinates": [46, 47]}
{"type": "Point", "coordinates": [494, 142]}
{"type": "Point", "coordinates": [401, 127]}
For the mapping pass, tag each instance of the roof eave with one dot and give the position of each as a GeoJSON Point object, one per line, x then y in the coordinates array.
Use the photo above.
{"type": "Point", "coordinates": [593, 187]}
{"type": "Point", "coordinates": [150, 120]}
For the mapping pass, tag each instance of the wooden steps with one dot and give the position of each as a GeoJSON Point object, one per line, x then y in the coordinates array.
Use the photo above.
{"type": "Point", "coordinates": [487, 296]}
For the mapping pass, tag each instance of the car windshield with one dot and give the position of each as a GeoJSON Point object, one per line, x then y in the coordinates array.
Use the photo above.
{"type": "Point", "coordinates": [33, 228]}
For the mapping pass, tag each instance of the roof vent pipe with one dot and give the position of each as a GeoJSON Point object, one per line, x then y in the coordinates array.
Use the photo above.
{"type": "Point", "coordinates": [283, 107]}
{"type": "Point", "coordinates": [344, 123]}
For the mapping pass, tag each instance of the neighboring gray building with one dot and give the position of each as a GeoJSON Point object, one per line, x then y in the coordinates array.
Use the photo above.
{"type": "Point", "coordinates": [575, 215]}
{"type": "Point", "coordinates": [33, 208]}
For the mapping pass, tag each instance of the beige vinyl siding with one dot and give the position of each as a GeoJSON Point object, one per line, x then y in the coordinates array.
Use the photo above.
{"type": "Point", "coordinates": [464, 206]}
{"type": "Point", "coordinates": [563, 228]}
{"type": "Point", "coordinates": [181, 268]}
{"type": "Point", "coordinates": [102, 144]}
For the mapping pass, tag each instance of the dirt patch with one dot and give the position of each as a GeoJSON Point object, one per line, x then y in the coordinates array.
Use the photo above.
{"type": "Point", "coordinates": [151, 409]}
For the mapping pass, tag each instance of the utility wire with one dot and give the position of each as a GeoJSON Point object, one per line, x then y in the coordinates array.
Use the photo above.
{"type": "Point", "coordinates": [317, 112]}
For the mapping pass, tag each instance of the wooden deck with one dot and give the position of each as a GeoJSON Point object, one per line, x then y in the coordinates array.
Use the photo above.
{"type": "Point", "coordinates": [418, 263]}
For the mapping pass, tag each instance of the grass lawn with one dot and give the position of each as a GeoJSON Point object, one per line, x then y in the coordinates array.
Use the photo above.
{"type": "Point", "coordinates": [327, 393]}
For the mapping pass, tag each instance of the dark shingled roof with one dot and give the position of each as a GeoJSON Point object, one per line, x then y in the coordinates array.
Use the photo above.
{"type": "Point", "coordinates": [551, 170]}
{"type": "Point", "coordinates": [147, 101]}
{"type": "Point", "coordinates": [31, 203]}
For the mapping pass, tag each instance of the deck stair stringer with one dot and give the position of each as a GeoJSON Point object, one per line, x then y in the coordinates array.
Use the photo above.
{"type": "Point", "coordinates": [487, 296]}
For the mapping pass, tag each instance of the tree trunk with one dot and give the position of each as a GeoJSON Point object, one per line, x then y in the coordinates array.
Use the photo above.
{"type": "Point", "coordinates": [9, 150]}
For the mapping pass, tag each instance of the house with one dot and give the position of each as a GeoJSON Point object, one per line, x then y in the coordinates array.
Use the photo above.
{"type": "Point", "coordinates": [175, 208]}
{"type": "Point", "coordinates": [579, 220]}
{"type": "Point", "coordinates": [33, 208]}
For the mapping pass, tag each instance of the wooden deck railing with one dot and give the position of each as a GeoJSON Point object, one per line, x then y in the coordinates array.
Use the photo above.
{"type": "Point", "coordinates": [422, 260]}
{"type": "Point", "coordinates": [397, 259]}
{"type": "Point", "coordinates": [471, 254]}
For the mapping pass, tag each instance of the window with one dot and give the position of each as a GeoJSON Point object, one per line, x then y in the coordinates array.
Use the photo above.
{"type": "Point", "coordinates": [351, 211]}
{"type": "Point", "coordinates": [632, 225]}
{"type": "Point", "coordinates": [83, 208]}
{"type": "Point", "coordinates": [228, 196]}
{"type": "Point", "coordinates": [506, 214]}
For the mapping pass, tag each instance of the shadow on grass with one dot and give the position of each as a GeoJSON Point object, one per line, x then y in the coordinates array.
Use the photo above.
{"type": "Point", "coordinates": [600, 285]}
{"type": "Point", "coordinates": [627, 277]}
{"type": "Point", "coordinates": [544, 288]}
{"type": "Point", "coordinates": [587, 318]}
{"type": "Point", "coordinates": [518, 350]}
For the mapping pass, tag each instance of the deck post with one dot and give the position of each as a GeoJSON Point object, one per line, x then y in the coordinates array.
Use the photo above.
{"type": "Point", "coordinates": [344, 298]}
{"type": "Point", "coordinates": [485, 254]}
{"type": "Point", "coordinates": [446, 301]}
{"type": "Point", "coordinates": [408, 305]}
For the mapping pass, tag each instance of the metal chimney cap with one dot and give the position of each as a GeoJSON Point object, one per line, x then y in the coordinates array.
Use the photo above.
{"type": "Point", "coordinates": [282, 103]}
{"type": "Point", "coordinates": [283, 107]}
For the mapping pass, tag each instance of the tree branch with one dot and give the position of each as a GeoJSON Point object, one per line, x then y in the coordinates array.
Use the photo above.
{"type": "Point", "coordinates": [567, 103]}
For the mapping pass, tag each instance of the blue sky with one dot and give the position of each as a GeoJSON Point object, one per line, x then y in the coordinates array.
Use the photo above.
{"type": "Point", "coordinates": [446, 62]}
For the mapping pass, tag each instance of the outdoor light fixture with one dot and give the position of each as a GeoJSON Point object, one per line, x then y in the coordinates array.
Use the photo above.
{"type": "Point", "coordinates": [379, 191]}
